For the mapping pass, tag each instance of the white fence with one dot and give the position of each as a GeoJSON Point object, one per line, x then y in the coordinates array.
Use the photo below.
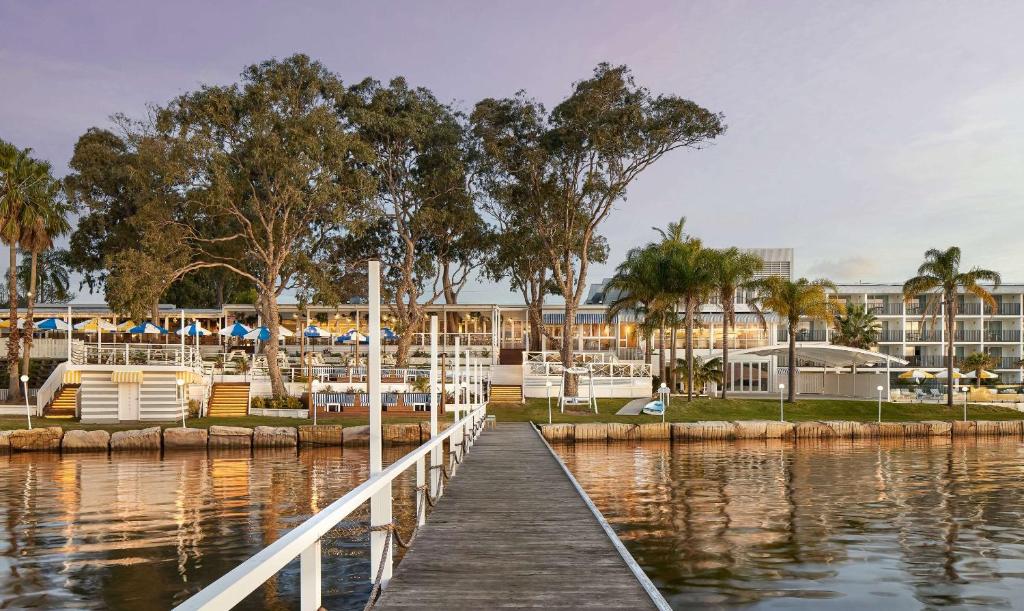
{"type": "Point", "coordinates": [303, 541]}
{"type": "Point", "coordinates": [137, 354]}
{"type": "Point", "coordinates": [46, 347]}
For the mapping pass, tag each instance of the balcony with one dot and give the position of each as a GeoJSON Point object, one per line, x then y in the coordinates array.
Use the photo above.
{"type": "Point", "coordinates": [1008, 362]}
{"type": "Point", "coordinates": [928, 335]}
{"type": "Point", "coordinates": [1006, 335]}
{"type": "Point", "coordinates": [969, 309]}
{"type": "Point", "coordinates": [804, 335]}
{"type": "Point", "coordinates": [887, 309]}
{"type": "Point", "coordinates": [927, 361]}
{"type": "Point", "coordinates": [890, 335]}
{"type": "Point", "coordinates": [1004, 309]}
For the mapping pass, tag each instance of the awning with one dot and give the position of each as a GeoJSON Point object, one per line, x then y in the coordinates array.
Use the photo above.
{"type": "Point", "coordinates": [73, 377]}
{"type": "Point", "coordinates": [582, 318]}
{"type": "Point", "coordinates": [126, 377]}
{"type": "Point", "coordinates": [190, 377]}
{"type": "Point", "coordinates": [829, 355]}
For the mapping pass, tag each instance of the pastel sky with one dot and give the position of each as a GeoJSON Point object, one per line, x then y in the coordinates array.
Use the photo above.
{"type": "Point", "coordinates": [860, 133]}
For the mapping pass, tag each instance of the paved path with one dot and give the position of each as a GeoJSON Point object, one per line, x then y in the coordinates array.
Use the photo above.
{"type": "Point", "coordinates": [633, 408]}
{"type": "Point", "coordinates": [512, 531]}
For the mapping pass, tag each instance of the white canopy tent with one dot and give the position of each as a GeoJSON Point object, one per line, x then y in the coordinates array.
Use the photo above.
{"type": "Point", "coordinates": [834, 357]}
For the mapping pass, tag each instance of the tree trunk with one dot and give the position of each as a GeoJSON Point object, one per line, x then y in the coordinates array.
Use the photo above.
{"type": "Point", "coordinates": [13, 388]}
{"type": "Point", "coordinates": [404, 348]}
{"type": "Point", "coordinates": [662, 364]}
{"type": "Point", "coordinates": [567, 350]}
{"type": "Point", "coordinates": [673, 350]}
{"type": "Point", "coordinates": [791, 373]}
{"type": "Point", "coordinates": [648, 347]}
{"type": "Point", "coordinates": [725, 347]}
{"type": "Point", "coordinates": [536, 322]}
{"type": "Point", "coordinates": [950, 338]}
{"type": "Point", "coordinates": [690, 313]}
{"type": "Point", "coordinates": [269, 312]}
{"type": "Point", "coordinates": [29, 309]}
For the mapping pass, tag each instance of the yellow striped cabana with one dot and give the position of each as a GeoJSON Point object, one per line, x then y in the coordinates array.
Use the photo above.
{"type": "Point", "coordinates": [126, 377]}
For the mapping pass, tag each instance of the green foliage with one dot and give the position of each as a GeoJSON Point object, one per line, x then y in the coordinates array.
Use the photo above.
{"type": "Point", "coordinates": [856, 327]}
{"type": "Point", "coordinates": [978, 362]}
{"type": "Point", "coordinates": [704, 372]}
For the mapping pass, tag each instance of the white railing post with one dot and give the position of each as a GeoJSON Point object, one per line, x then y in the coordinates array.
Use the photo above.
{"type": "Point", "coordinates": [455, 380]}
{"type": "Point", "coordinates": [380, 502]}
{"type": "Point", "coordinates": [309, 578]}
{"type": "Point", "coordinates": [421, 493]}
{"type": "Point", "coordinates": [435, 454]}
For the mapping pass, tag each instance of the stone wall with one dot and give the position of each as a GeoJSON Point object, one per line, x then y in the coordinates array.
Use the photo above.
{"type": "Point", "coordinates": [767, 429]}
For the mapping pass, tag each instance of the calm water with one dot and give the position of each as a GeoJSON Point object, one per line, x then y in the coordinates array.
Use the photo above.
{"type": "Point", "coordinates": [145, 532]}
{"type": "Point", "coordinates": [818, 526]}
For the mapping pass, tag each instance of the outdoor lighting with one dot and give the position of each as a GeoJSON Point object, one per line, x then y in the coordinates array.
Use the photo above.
{"type": "Point", "coordinates": [963, 389]}
{"type": "Point", "coordinates": [782, 413]}
{"type": "Point", "coordinates": [28, 412]}
{"type": "Point", "coordinates": [548, 385]}
{"type": "Point", "coordinates": [879, 388]}
{"type": "Point", "coordinates": [181, 399]}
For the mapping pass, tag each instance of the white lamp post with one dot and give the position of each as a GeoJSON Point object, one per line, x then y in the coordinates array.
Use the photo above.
{"type": "Point", "coordinates": [548, 385]}
{"type": "Point", "coordinates": [28, 412]}
{"type": "Point", "coordinates": [181, 399]}
{"type": "Point", "coordinates": [782, 413]}
{"type": "Point", "coordinates": [665, 395]}
{"type": "Point", "coordinates": [879, 388]}
{"type": "Point", "coordinates": [964, 390]}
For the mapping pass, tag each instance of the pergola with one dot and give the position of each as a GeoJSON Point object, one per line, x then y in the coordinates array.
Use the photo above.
{"type": "Point", "coordinates": [831, 356]}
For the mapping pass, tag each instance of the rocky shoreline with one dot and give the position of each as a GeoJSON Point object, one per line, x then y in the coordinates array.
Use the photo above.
{"type": "Point", "coordinates": [768, 429]}
{"type": "Point", "coordinates": [152, 439]}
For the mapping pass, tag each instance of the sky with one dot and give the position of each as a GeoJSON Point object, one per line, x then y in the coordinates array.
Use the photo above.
{"type": "Point", "coordinates": [859, 133]}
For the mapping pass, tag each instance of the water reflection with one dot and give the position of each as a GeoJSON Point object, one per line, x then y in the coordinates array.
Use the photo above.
{"type": "Point", "coordinates": [832, 524]}
{"type": "Point", "coordinates": [145, 532]}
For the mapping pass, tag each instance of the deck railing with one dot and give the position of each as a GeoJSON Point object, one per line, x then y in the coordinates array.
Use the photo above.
{"type": "Point", "coordinates": [303, 542]}
{"type": "Point", "coordinates": [137, 354]}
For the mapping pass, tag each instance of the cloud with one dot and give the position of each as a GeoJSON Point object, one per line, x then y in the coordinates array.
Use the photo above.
{"type": "Point", "coordinates": [850, 269]}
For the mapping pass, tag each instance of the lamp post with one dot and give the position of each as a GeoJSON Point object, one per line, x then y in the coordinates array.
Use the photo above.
{"type": "Point", "coordinates": [964, 390]}
{"type": "Point", "coordinates": [879, 388]}
{"type": "Point", "coordinates": [181, 399]}
{"type": "Point", "coordinates": [28, 412]}
{"type": "Point", "coordinates": [547, 384]}
{"type": "Point", "coordinates": [665, 395]}
{"type": "Point", "coordinates": [782, 413]}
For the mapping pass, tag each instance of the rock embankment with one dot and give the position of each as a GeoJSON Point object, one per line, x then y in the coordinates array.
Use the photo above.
{"type": "Point", "coordinates": [720, 430]}
{"type": "Point", "coordinates": [216, 437]}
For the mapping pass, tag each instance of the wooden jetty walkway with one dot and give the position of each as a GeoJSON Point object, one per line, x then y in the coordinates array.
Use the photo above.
{"type": "Point", "coordinates": [512, 531]}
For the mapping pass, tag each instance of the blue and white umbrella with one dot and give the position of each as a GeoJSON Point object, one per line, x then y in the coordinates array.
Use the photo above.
{"type": "Point", "coordinates": [388, 334]}
{"type": "Point", "coordinates": [352, 337]}
{"type": "Point", "coordinates": [52, 324]}
{"type": "Point", "coordinates": [263, 333]}
{"type": "Point", "coordinates": [147, 328]}
{"type": "Point", "coordinates": [315, 331]}
{"type": "Point", "coordinates": [235, 330]}
{"type": "Point", "coordinates": [193, 330]}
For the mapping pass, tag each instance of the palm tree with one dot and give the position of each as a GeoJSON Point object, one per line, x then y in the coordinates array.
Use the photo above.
{"type": "Point", "coordinates": [53, 278]}
{"type": "Point", "coordinates": [44, 218]}
{"type": "Point", "coordinates": [978, 362]}
{"type": "Point", "coordinates": [731, 270]}
{"type": "Point", "coordinates": [20, 177]}
{"type": "Point", "coordinates": [687, 273]}
{"type": "Point", "coordinates": [792, 301]}
{"type": "Point", "coordinates": [857, 328]}
{"type": "Point", "coordinates": [703, 372]}
{"type": "Point", "coordinates": [638, 283]}
{"type": "Point", "coordinates": [940, 280]}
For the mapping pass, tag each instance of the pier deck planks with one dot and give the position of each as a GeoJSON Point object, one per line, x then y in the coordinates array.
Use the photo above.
{"type": "Point", "coordinates": [511, 531]}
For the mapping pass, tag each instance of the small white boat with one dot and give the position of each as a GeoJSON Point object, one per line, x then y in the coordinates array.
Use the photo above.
{"type": "Point", "coordinates": [654, 408]}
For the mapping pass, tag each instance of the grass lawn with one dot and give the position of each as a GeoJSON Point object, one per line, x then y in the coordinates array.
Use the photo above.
{"type": "Point", "coordinates": [11, 422]}
{"type": "Point", "coordinates": [536, 410]}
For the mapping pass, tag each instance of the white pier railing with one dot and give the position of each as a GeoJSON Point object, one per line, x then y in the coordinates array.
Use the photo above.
{"type": "Point", "coordinates": [303, 542]}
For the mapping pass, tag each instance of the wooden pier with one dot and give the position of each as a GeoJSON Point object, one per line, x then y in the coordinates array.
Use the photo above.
{"type": "Point", "coordinates": [512, 530]}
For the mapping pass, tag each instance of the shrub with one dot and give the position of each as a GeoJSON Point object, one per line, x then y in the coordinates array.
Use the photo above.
{"type": "Point", "coordinates": [257, 403]}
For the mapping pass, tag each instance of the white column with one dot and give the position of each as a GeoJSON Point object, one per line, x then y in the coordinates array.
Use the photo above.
{"type": "Point", "coordinates": [380, 503]}
{"type": "Point", "coordinates": [183, 337]}
{"type": "Point", "coordinates": [435, 454]}
{"type": "Point", "coordinates": [70, 328]}
{"type": "Point", "coordinates": [455, 379]}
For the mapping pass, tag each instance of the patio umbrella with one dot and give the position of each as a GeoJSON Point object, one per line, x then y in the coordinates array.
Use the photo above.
{"type": "Point", "coordinates": [52, 324]}
{"type": "Point", "coordinates": [352, 337]}
{"type": "Point", "coordinates": [985, 375]}
{"type": "Point", "coordinates": [94, 325]}
{"type": "Point", "coordinates": [388, 334]}
{"type": "Point", "coordinates": [147, 328]}
{"type": "Point", "coordinates": [126, 326]}
{"type": "Point", "coordinates": [263, 333]}
{"type": "Point", "coordinates": [942, 375]}
{"type": "Point", "coordinates": [193, 330]}
{"type": "Point", "coordinates": [315, 331]}
{"type": "Point", "coordinates": [234, 330]}
{"type": "Point", "coordinates": [916, 374]}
